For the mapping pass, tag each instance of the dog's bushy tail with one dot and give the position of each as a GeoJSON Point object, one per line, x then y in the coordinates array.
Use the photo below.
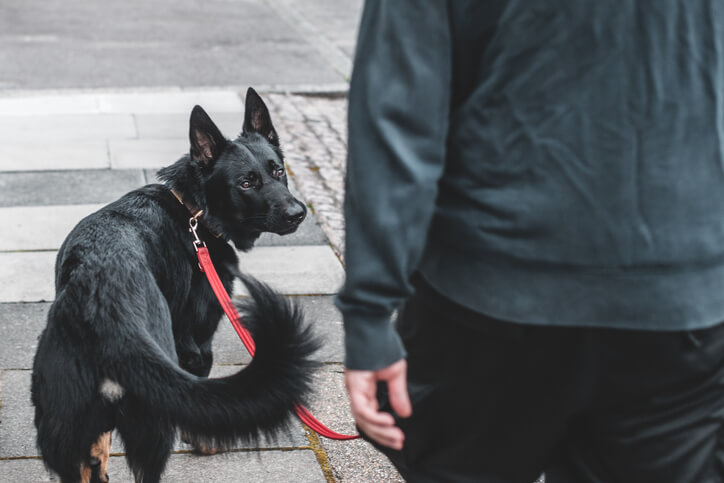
{"type": "Point", "coordinates": [258, 400]}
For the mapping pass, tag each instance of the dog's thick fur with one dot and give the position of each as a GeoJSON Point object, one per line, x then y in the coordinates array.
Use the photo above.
{"type": "Point", "coordinates": [128, 339]}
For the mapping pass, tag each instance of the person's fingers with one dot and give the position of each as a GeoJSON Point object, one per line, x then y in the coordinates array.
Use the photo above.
{"type": "Point", "coordinates": [365, 407]}
{"type": "Point", "coordinates": [369, 416]}
{"type": "Point", "coordinates": [362, 390]}
{"type": "Point", "coordinates": [390, 436]}
{"type": "Point", "coordinates": [397, 388]}
{"type": "Point", "coordinates": [379, 426]}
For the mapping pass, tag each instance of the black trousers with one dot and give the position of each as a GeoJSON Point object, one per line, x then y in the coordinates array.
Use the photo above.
{"type": "Point", "coordinates": [495, 401]}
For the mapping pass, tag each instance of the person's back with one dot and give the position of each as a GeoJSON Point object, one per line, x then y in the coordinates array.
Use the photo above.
{"type": "Point", "coordinates": [545, 167]}
{"type": "Point", "coordinates": [584, 177]}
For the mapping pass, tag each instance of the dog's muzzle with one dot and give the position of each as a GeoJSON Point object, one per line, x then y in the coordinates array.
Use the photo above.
{"type": "Point", "coordinates": [290, 217]}
{"type": "Point", "coordinates": [295, 214]}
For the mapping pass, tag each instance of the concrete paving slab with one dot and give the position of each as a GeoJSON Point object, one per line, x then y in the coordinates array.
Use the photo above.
{"type": "Point", "coordinates": [213, 101]}
{"type": "Point", "coordinates": [174, 126]}
{"type": "Point", "coordinates": [48, 188]}
{"type": "Point", "coordinates": [326, 321]}
{"type": "Point", "coordinates": [40, 227]}
{"type": "Point", "coordinates": [262, 466]}
{"type": "Point", "coordinates": [44, 104]}
{"type": "Point", "coordinates": [271, 466]}
{"type": "Point", "coordinates": [308, 270]}
{"type": "Point", "coordinates": [27, 277]}
{"type": "Point", "coordinates": [25, 470]}
{"type": "Point", "coordinates": [277, 466]}
{"type": "Point", "coordinates": [20, 327]}
{"type": "Point", "coordinates": [308, 233]}
{"type": "Point", "coordinates": [33, 153]}
{"type": "Point", "coordinates": [319, 312]}
{"type": "Point", "coordinates": [146, 153]}
{"type": "Point", "coordinates": [17, 432]}
{"type": "Point", "coordinates": [300, 270]}
{"type": "Point", "coordinates": [66, 128]}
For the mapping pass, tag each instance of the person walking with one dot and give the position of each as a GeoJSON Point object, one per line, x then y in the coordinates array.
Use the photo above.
{"type": "Point", "coordinates": [537, 188]}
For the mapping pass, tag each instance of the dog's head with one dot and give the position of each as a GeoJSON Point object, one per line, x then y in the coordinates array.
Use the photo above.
{"type": "Point", "coordinates": [241, 184]}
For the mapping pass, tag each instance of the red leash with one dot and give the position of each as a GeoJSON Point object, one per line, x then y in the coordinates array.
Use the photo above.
{"type": "Point", "coordinates": [208, 268]}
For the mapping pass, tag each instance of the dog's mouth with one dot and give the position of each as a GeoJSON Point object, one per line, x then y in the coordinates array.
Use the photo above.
{"type": "Point", "coordinates": [276, 227]}
{"type": "Point", "coordinates": [284, 221]}
{"type": "Point", "coordinates": [287, 231]}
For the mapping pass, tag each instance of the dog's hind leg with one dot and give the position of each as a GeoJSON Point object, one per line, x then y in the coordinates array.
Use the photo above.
{"type": "Point", "coordinates": [96, 469]}
{"type": "Point", "coordinates": [148, 438]}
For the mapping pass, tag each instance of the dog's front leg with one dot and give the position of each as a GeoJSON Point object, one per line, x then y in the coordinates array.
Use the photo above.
{"type": "Point", "coordinates": [191, 357]}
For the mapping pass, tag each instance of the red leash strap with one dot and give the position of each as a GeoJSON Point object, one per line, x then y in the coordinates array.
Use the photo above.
{"type": "Point", "coordinates": [208, 268]}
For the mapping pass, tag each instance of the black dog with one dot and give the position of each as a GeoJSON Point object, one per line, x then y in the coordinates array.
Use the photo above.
{"type": "Point", "coordinates": [128, 340]}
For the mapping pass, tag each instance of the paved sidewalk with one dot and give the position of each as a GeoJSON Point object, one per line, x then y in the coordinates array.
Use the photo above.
{"type": "Point", "coordinates": [64, 155]}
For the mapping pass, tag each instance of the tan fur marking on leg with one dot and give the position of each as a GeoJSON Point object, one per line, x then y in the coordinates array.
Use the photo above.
{"type": "Point", "coordinates": [85, 473]}
{"type": "Point", "coordinates": [101, 449]}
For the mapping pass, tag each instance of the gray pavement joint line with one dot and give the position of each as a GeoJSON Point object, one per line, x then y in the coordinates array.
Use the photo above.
{"type": "Point", "coordinates": [22, 302]}
{"type": "Point", "coordinates": [134, 116]}
{"type": "Point", "coordinates": [243, 450]}
{"type": "Point", "coordinates": [332, 89]}
{"type": "Point", "coordinates": [109, 162]}
{"type": "Point", "coordinates": [320, 453]}
{"type": "Point", "coordinates": [331, 53]}
{"type": "Point", "coordinates": [187, 451]}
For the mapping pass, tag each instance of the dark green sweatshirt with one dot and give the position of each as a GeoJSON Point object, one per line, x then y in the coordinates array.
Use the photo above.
{"type": "Point", "coordinates": [552, 162]}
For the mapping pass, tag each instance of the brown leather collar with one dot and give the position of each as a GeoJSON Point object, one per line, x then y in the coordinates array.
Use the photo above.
{"type": "Point", "coordinates": [196, 214]}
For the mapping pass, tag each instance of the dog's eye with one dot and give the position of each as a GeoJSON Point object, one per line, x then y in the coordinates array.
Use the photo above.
{"type": "Point", "coordinates": [245, 185]}
{"type": "Point", "coordinates": [279, 172]}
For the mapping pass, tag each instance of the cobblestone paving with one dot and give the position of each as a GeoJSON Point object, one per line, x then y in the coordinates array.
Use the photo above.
{"type": "Point", "coordinates": [313, 132]}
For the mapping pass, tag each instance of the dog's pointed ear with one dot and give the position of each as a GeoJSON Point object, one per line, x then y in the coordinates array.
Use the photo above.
{"type": "Point", "coordinates": [257, 118]}
{"type": "Point", "coordinates": [207, 142]}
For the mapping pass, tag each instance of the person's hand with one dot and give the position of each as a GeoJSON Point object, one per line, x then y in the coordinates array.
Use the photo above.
{"type": "Point", "coordinates": [362, 390]}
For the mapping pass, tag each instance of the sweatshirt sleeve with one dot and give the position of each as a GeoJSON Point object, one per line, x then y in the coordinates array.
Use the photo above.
{"type": "Point", "coordinates": [399, 104]}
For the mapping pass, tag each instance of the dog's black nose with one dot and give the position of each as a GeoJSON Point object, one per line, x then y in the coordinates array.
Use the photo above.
{"type": "Point", "coordinates": [294, 214]}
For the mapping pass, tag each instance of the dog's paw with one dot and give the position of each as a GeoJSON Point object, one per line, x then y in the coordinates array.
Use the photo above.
{"type": "Point", "coordinates": [202, 449]}
{"type": "Point", "coordinates": [199, 447]}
